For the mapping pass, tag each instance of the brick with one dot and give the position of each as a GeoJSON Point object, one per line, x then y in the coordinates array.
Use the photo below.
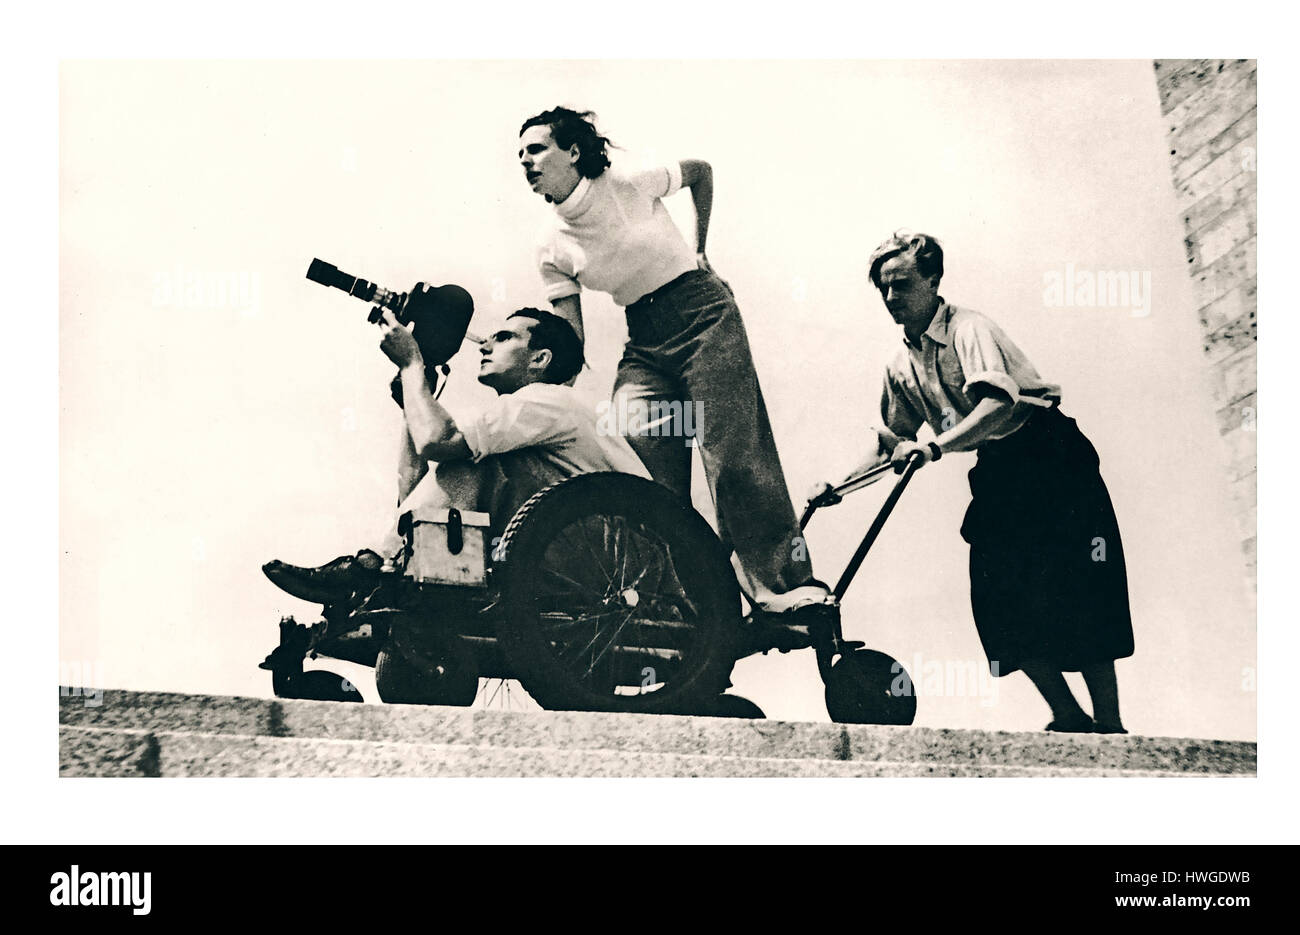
{"type": "Point", "coordinates": [1236, 377]}
{"type": "Point", "coordinates": [1231, 193]}
{"type": "Point", "coordinates": [1224, 108]}
{"type": "Point", "coordinates": [1234, 161]}
{"type": "Point", "coordinates": [1179, 78]}
{"type": "Point", "coordinates": [1167, 68]}
{"type": "Point", "coordinates": [1224, 275]}
{"type": "Point", "coordinates": [1236, 415]}
{"type": "Point", "coordinates": [1228, 230]}
{"type": "Point", "coordinates": [1187, 163]}
{"type": "Point", "coordinates": [1208, 93]}
{"type": "Point", "coordinates": [1236, 335]}
{"type": "Point", "coordinates": [1233, 378]}
{"type": "Point", "coordinates": [1242, 453]}
{"type": "Point", "coordinates": [1239, 302]}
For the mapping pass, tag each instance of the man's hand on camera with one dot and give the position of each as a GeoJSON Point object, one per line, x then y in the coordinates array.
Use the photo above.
{"type": "Point", "coordinates": [399, 344]}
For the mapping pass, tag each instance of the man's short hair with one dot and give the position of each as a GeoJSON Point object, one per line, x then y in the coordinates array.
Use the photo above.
{"type": "Point", "coordinates": [552, 333]}
{"type": "Point", "coordinates": [922, 247]}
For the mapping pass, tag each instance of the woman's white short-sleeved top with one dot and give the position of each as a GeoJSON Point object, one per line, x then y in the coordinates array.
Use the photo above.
{"type": "Point", "coordinates": [613, 234]}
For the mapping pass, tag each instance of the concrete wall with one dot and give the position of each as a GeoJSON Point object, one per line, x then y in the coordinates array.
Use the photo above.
{"type": "Point", "coordinates": [1209, 109]}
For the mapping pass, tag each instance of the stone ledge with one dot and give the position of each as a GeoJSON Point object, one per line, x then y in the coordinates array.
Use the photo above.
{"type": "Point", "coordinates": [400, 726]}
{"type": "Point", "coordinates": [240, 756]}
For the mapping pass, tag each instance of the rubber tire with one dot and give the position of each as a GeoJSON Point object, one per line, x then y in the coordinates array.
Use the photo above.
{"type": "Point", "coordinates": [733, 706]}
{"type": "Point", "coordinates": [400, 681]}
{"type": "Point", "coordinates": [869, 687]}
{"type": "Point", "coordinates": [317, 685]}
{"type": "Point", "coordinates": [700, 564]}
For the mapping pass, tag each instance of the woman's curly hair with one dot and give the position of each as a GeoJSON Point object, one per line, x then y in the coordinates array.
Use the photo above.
{"type": "Point", "coordinates": [569, 127]}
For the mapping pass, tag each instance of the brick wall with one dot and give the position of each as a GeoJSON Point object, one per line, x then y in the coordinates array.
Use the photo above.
{"type": "Point", "coordinates": [1209, 110]}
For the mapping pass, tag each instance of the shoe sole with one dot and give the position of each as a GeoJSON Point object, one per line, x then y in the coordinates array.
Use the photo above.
{"type": "Point", "coordinates": [286, 581]}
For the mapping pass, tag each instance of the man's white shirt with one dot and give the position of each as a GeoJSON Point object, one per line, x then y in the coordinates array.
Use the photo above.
{"type": "Point", "coordinates": [558, 422]}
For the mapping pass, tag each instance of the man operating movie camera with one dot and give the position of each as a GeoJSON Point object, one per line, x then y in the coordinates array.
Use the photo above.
{"type": "Point", "coordinates": [536, 432]}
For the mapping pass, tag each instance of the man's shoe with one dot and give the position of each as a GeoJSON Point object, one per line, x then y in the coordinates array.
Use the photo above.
{"type": "Point", "coordinates": [770, 631]}
{"type": "Point", "coordinates": [333, 581]}
{"type": "Point", "coordinates": [809, 623]}
{"type": "Point", "coordinates": [1079, 724]}
{"type": "Point", "coordinates": [808, 595]}
{"type": "Point", "coordinates": [1106, 727]}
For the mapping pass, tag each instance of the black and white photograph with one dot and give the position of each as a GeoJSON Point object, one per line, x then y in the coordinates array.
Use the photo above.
{"type": "Point", "coordinates": [645, 418]}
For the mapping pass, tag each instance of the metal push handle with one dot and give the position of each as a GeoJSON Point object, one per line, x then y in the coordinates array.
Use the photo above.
{"type": "Point", "coordinates": [913, 465]}
{"type": "Point", "coordinates": [836, 493]}
{"type": "Point", "coordinates": [832, 496]}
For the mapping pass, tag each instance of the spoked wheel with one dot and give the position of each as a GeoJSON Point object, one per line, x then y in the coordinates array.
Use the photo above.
{"type": "Point", "coordinates": [316, 685]}
{"type": "Point", "coordinates": [422, 666]}
{"type": "Point", "coordinates": [868, 687]}
{"type": "Point", "coordinates": [498, 694]}
{"type": "Point", "coordinates": [616, 596]}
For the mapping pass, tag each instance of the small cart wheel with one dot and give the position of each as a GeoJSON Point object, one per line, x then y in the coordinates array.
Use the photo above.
{"type": "Point", "coordinates": [425, 668]}
{"type": "Point", "coordinates": [616, 596]}
{"type": "Point", "coordinates": [316, 685]}
{"type": "Point", "coordinates": [732, 706]}
{"type": "Point", "coordinates": [868, 687]}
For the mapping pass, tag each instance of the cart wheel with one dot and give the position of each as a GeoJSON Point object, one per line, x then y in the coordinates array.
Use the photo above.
{"type": "Point", "coordinates": [316, 685]}
{"type": "Point", "coordinates": [616, 596]}
{"type": "Point", "coordinates": [867, 687]}
{"type": "Point", "coordinates": [732, 706]}
{"type": "Point", "coordinates": [425, 668]}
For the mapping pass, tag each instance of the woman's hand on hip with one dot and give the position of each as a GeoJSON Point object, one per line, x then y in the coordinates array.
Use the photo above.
{"type": "Point", "coordinates": [703, 263]}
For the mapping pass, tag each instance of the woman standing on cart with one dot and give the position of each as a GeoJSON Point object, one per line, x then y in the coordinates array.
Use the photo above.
{"type": "Point", "coordinates": [1049, 590]}
{"type": "Point", "coordinates": [686, 341]}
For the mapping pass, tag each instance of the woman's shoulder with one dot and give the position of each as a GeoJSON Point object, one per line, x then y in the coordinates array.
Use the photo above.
{"type": "Point", "coordinates": [648, 177]}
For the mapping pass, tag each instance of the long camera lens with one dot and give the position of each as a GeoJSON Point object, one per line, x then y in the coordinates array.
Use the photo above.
{"type": "Point", "coordinates": [329, 275]}
{"type": "Point", "coordinates": [439, 315]}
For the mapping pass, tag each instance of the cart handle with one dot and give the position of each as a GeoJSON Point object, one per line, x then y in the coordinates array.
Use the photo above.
{"type": "Point", "coordinates": [848, 486]}
{"type": "Point", "coordinates": [914, 462]}
{"type": "Point", "coordinates": [835, 494]}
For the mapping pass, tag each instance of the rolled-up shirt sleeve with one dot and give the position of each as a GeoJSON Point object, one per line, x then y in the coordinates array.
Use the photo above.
{"type": "Point", "coordinates": [517, 420]}
{"type": "Point", "coordinates": [897, 411]}
{"type": "Point", "coordinates": [983, 361]}
{"type": "Point", "coordinates": [558, 279]}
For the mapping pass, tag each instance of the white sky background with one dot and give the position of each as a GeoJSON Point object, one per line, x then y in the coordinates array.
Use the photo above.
{"type": "Point", "coordinates": [202, 436]}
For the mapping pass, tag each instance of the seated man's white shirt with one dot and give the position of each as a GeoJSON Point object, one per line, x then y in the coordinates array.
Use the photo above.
{"type": "Point", "coordinates": [556, 426]}
{"type": "Point", "coordinates": [555, 420]}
